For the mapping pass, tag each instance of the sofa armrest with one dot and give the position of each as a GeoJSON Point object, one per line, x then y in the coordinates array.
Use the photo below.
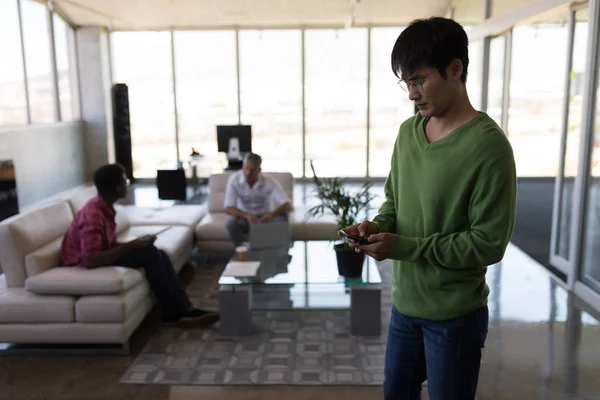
{"type": "Point", "coordinates": [178, 215]}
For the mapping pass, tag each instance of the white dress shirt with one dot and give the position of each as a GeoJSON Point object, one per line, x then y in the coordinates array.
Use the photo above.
{"type": "Point", "coordinates": [257, 199]}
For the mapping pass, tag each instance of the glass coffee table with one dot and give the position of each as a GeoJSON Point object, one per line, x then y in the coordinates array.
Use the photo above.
{"type": "Point", "coordinates": [301, 277]}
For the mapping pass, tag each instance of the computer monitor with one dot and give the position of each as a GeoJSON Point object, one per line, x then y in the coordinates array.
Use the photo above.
{"type": "Point", "coordinates": [243, 134]}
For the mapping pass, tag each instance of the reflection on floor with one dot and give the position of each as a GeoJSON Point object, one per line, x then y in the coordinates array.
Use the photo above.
{"type": "Point", "coordinates": [542, 344]}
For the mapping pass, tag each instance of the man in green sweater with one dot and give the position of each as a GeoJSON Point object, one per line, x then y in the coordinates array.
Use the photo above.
{"type": "Point", "coordinates": [449, 212]}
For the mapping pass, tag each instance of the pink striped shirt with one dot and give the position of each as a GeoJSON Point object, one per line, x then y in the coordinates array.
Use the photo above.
{"type": "Point", "coordinates": [93, 230]}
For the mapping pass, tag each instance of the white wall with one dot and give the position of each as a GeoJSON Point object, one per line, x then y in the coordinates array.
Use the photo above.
{"type": "Point", "coordinates": [94, 80]}
{"type": "Point", "coordinates": [48, 158]}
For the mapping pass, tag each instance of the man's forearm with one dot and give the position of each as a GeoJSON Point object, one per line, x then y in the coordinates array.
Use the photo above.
{"type": "Point", "coordinates": [282, 210]}
{"type": "Point", "coordinates": [236, 212]}
{"type": "Point", "coordinates": [107, 257]}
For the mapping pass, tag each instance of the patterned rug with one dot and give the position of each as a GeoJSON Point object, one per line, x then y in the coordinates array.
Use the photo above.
{"type": "Point", "coordinates": [290, 347]}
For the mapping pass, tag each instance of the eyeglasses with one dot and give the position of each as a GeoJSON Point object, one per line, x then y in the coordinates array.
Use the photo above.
{"type": "Point", "coordinates": [416, 84]}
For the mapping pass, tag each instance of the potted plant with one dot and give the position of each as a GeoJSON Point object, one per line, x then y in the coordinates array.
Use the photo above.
{"type": "Point", "coordinates": [348, 207]}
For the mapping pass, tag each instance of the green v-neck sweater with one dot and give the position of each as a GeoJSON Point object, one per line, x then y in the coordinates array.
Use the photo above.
{"type": "Point", "coordinates": [451, 206]}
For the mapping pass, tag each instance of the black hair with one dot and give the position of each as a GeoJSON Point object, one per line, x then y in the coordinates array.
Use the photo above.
{"type": "Point", "coordinates": [108, 178]}
{"type": "Point", "coordinates": [433, 42]}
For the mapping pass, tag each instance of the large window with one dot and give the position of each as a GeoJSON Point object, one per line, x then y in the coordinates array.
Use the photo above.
{"type": "Point", "coordinates": [336, 101]}
{"type": "Point", "coordinates": [575, 110]}
{"type": "Point", "coordinates": [205, 68]}
{"type": "Point", "coordinates": [63, 35]}
{"type": "Point", "coordinates": [537, 97]}
{"type": "Point", "coordinates": [142, 60]}
{"type": "Point", "coordinates": [390, 105]}
{"type": "Point", "coordinates": [39, 63]}
{"type": "Point", "coordinates": [591, 238]}
{"type": "Point", "coordinates": [591, 257]}
{"type": "Point", "coordinates": [13, 106]}
{"type": "Point", "coordinates": [271, 96]}
{"type": "Point", "coordinates": [475, 73]}
{"type": "Point", "coordinates": [496, 78]}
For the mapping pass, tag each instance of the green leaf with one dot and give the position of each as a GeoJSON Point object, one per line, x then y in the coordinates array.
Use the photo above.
{"type": "Point", "coordinates": [346, 206]}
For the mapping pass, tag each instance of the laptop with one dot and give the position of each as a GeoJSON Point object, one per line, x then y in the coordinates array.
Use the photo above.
{"type": "Point", "coordinates": [269, 235]}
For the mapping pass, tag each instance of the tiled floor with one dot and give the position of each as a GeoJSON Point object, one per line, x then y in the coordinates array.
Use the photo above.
{"type": "Point", "coordinates": [300, 348]}
{"type": "Point", "coordinates": [543, 344]}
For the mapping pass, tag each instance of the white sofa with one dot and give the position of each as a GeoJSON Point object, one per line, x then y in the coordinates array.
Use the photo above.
{"type": "Point", "coordinates": [211, 232]}
{"type": "Point", "coordinates": [42, 302]}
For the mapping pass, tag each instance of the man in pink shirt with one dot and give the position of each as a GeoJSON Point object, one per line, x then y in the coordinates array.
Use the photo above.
{"type": "Point", "coordinates": [91, 242]}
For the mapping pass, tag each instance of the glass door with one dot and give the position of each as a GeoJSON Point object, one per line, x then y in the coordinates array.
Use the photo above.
{"type": "Point", "coordinates": [562, 251]}
{"type": "Point", "coordinates": [590, 257]}
{"type": "Point", "coordinates": [497, 79]}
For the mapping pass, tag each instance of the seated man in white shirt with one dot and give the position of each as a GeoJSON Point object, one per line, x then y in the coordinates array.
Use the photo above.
{"type": "Point", "coordinates": [248, 198]}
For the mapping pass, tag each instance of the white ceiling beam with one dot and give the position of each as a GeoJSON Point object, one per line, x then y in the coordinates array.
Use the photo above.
{"type": "Point", "coordinates": [520, 15]}
{"type": "Point", "coordinates": [109, 18]}
{"type": "Point", "coordinates": [198, 14]}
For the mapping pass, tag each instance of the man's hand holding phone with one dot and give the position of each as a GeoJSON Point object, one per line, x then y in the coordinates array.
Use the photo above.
{"type": "Point", "coordinates": [377, 244]}
{"type": "Point", "coordinates": [141, 242]}
{"type": "Point", "coordinates": [149, 239]}
{"type": "Point", "coordinates": [354, 233]}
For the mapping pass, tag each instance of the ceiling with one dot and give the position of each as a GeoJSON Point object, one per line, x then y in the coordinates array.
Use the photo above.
{"type": "Point", "coordinates": [183, 14]}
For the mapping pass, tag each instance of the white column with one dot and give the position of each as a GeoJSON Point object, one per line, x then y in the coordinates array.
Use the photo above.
{"type": "Point", "coordinates": [96, 109]}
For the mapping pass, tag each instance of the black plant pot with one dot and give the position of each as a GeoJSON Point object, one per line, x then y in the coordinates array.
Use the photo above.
{"type": "Point", "coordinates": [350, 263]}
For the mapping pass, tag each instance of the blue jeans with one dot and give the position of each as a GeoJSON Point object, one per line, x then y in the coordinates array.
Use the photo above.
{"type": "Point", "coordinates": [446, 353]}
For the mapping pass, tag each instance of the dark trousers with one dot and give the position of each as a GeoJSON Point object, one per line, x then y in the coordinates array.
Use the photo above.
{"type": "Point", "coordinates": [446, 353]}
{"type": "Point", "coordinates": [163, 281]}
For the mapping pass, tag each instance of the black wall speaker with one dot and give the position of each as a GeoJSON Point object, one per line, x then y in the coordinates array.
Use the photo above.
{"type": "Point", "coordinates": [122, 128]}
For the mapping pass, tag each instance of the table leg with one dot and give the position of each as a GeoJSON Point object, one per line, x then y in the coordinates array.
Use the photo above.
{"type": "Point", "coordinates": [365, 310]}
{"type": "Point", "coordinates": [234, 307]}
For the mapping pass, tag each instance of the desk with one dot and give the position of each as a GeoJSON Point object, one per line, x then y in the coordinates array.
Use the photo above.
{"type": "Point", "coordinates": [171, 184]}
{"type": "Point", "coordinates": [234, 165]}
{"type": "Point", "coordinates": [172, 179]}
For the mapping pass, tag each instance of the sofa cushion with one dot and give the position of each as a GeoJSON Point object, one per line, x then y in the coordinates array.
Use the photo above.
{"type": "Point", "coordinates": [111, 308]}
{"type": "Point", "coordinates": [212, 227]}
{"type": "Point", "coordinates": [217, 183]}
{"type": "Point", "coordinates": [44, 258]}
{"type": "Point", "coordinates": [323, 227]}
{"type": "Point", "coordinates": [80, 281]}
{"type": "Point", "coordinates": [315, 230]}
{"type": "Point", "coordinates": [18, 306]}
{"type": "Point", "coordinates": [175, 241]}
{"type": "Point", "coordinates": [185, 215]}
{"type": "Point", "coordinates": [121, 219]}
{"type": "Point", "coordinates": [79, 199]}
{"type": "Point", "coordinates": [25, 233]}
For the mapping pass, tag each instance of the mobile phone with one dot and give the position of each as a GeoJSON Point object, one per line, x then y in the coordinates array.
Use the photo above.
{"type": "Point", "coordinates": [360, 240]}
{"type": "Point", "coordinates": [162, 230]}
